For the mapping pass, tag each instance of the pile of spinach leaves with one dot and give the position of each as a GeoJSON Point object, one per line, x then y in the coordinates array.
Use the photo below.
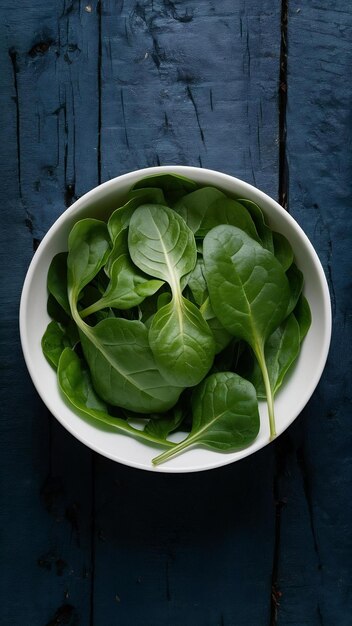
{"type": "Point", "coordinates": [176, 315]}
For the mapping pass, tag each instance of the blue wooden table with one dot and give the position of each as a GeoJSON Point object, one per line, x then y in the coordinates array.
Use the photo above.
{"type": "Point", "coordinates": [260, 89]}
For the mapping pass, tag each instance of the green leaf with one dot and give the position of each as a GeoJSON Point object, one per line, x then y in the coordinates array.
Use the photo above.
{"type": "Point", "coordinates": [194, 206]}
{"type": "Point", "coordinates": [54, 341]}
{"type": "Point", "coordinates": [303, 316]}
{"type": "Point", "coordinates": [283, 250]}
{"type": "Point", "coordinates": [119, 248]}
{"type": "Point", "coordinates": [249, 291]}
{"type": "Point", "coordinates": [128, 287]}
{"type": "Point", "coordinates": [162, 245]}
{"type": "Point", "coordinates": [120, 218]}
{"type": "Point", "coordinates": [75, 383]}
{"type": "Point", "coordinates": [222, 337]}
{"type": "Point", "coordinates": [89, 247]}
{"type": "Point", "coordinates": [263, 230]}
{"type": "Point", "coordinates": [197, 283]}
{"type": "Point", "coordinates": [148, 194]}
{"type": "Point", "coordinates": [123, 368]}
{"type": "Point", "coordinates": [225, 415]}
{"type": "Point", "coordinates": [57, 280]}
{"type": "Point", "coordinates": [174, 186]}
{"type": "Point", "coordinates": [227, 211]}
{"type": "Point", "coordinates": [182, 343]}
{"type": "Point", "coordinates": [165, 425]}
{"type": "Point", "coordinates": [281, 350]}
{"type": "Point", "coordinates": [295, 279]}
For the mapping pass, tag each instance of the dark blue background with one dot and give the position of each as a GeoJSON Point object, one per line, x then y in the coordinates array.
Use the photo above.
{"type": "Point", "coordinates": [256, 88]}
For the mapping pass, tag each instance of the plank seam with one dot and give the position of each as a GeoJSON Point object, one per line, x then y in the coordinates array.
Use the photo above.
{"type": "Point", "coordinates": [283, 165]}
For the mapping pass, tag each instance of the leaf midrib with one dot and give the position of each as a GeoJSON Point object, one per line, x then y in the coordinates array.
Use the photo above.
{"type": "Point", "coordinates": [87, 332]}
{"type": "Point", "coordinates": [174, 281]}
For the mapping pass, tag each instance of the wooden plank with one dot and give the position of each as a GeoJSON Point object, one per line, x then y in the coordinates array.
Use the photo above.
{"type": "Point", "coordinates": [188, 83]}
{"type": "Point", "coordinates": [191, 83]}
{"type": "Point", "coordinates": [315, 554]}
{"type": "Point", "coordinates": [48, 150]}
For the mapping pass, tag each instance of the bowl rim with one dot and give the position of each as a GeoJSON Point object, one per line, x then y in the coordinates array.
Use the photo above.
{"type": "Point", "coordinates": [183, 170]}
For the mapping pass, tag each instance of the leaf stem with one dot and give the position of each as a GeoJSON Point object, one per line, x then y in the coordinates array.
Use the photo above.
{"type": "Point", "coordinates": [93, 308]}
{"type": "Point", "coordinates": [168, 454]}
{"type": "Point", "coordinates": [268, 390]}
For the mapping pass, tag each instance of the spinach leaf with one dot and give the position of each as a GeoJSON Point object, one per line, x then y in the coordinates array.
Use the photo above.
{"type": "Point", "coordinates": [225, 415]}
{"type": "Point", "coordinates": [162, 245]}
{"type": "Point", "coordinates": [120, 218]}
{"type": "Point", "coordinates": [57, 280]}
{"type": "Point", "coordinates": [55, 311]}
{"type": "Point", "coordinates": [227, 211]}
{"type": "Point", "coordinates": [148, 194]}
{"type": "Point", "coordinates": [89, 247]}
{"type": "Point", "coordinates": [194, 206]}
{"type": "Point", "coordinates": [54, 341]}
{"type": "Point", "coordinates": [197, 283]}
{"type": "Point", "coordinates": [75, 383]}
{"type": "Point", "coordinates": [119, 248]}
{"type": "Point", "coordinates": [295, 279]}
{"type": "Point", "coordinates": [249, 292]}
{"type": "Point", "coordinates": [127, 288]}
{"type": "Point", "coordinates": [117, 350]}
{"type": "Point", "coordinates": [281, 350]}
{"type": "Point", "coordinates": [303, 316]}
{"type": "Point", "coordinates": [174, 186]}
{"type": "Point", "coordinates": [165, 425]}
{"type": "Point", "coordinates": [57, 337]}
{"type": "Point", "coordinates": [283, 250]}
{"type": "Point", "coordinates": [123, 368]}
{"type": "Point", "coordinates": [222, 337]}
{"type": "Point", "coordinates": [263, 230]}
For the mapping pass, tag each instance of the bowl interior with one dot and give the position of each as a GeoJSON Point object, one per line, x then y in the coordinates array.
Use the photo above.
{"type": "Point", "coordinates": [290, 400]}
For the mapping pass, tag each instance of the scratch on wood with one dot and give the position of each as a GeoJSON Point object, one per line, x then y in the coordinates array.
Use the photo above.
{"type": "Point", "coordinates": [124, 118]}
{"type": "Point", "coordinates": [190, 95]}
{"type": "Point", "coordinates": [15, 69]}
{"type": "Point", "coordinates": [156, 54]}
{"type": "Point", "coordinates": [40, 48]}
{"type": "Point", "coordinates": [248, 53]}
{"type": "Point", "coordinates": [301, 460]}
{"type": "Point", "coordinates": [251, 161]}
{"type": "Point", "coordinates": [211, 99]}
{"type": "Point", "coordinates": [126, 33]}
{"type": "Point", "coordinates": [185, 18]}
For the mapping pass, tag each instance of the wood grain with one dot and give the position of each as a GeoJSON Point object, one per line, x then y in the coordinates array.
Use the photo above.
{"type": "Point", "coordinates": [93, 89]}
{"type": "Point", "coordinates": [315, 553]}
{"type": "Point", "coordinates": [49, 124]}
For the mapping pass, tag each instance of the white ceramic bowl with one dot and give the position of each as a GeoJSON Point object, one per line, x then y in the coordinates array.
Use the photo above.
{"type": "Point", "coordinates": [291, 399]}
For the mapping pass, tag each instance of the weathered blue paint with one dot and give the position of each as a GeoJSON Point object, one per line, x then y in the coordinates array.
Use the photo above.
{"type": "Point", "coordinates": [315, 556]}
{"type": "Point", "coordinates": [48, 69]}
{"type": "Point", "coordinates": [89, 90]}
